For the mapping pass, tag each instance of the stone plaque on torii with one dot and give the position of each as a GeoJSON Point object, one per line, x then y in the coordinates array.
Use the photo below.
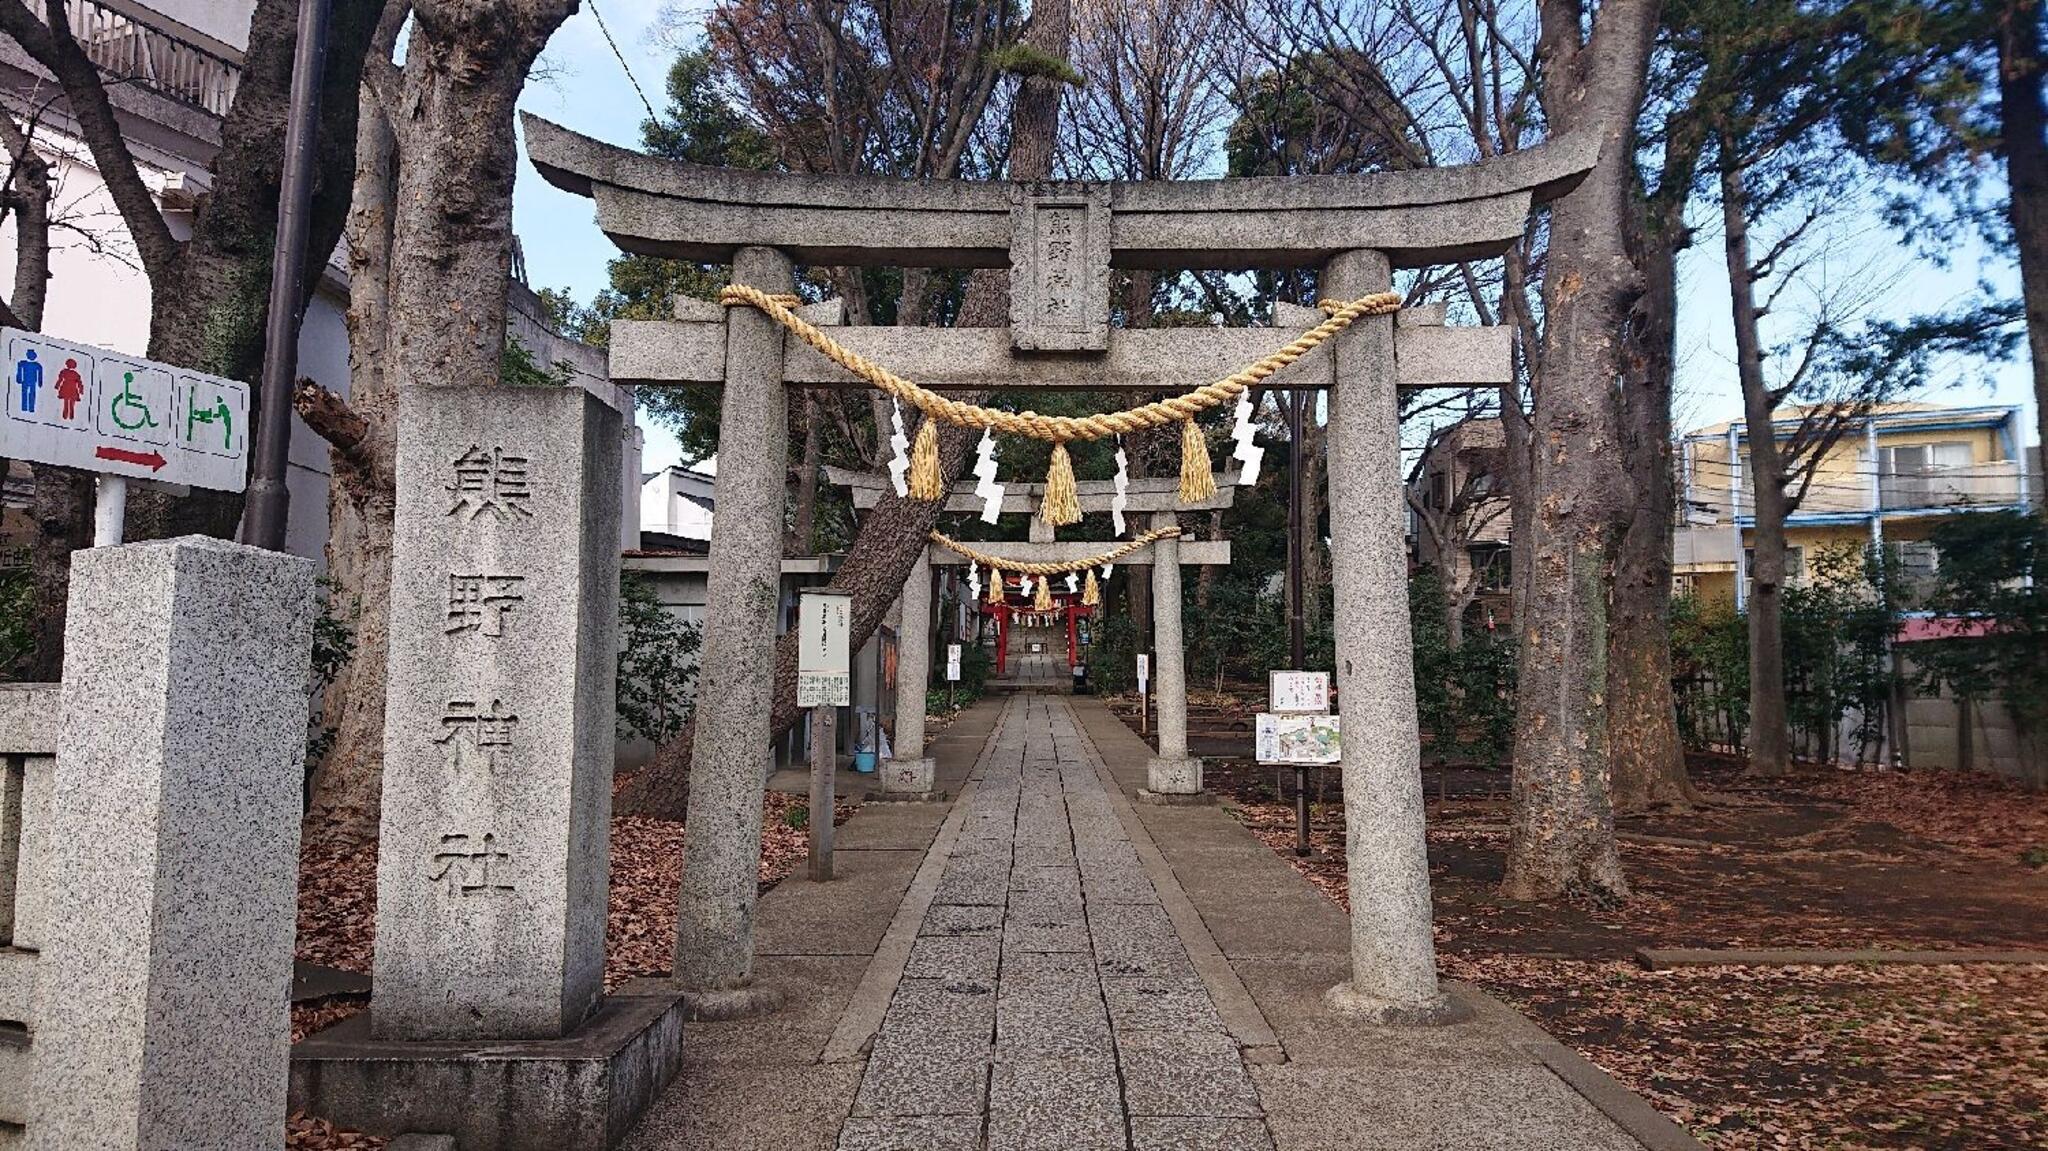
{"type": "Point", "coordinates": [1175, 772]}
{"type": "Point", "coordinates": [1060, 241]}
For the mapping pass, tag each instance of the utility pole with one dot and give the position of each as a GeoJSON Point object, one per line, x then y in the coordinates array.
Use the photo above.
{"type": "Point", "coordinates": [269, 506]}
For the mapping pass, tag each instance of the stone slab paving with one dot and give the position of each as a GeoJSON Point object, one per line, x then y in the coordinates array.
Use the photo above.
{"type": "Point", "coordinates": [1049, 1002]}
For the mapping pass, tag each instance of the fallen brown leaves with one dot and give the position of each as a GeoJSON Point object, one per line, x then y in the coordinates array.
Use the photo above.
{"type": "Point", "coordinates": [1749, 1059]}
{"type": "Point", "coordinates": [304, 1133]}
{"type": "Point", "coordinates": [338, 897]}
{"type": "Point", "coordinates": [338, 919]}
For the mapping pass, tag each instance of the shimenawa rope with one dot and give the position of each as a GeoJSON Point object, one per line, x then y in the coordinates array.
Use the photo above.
{"type": "Point", "coordinates": [1060, 505]}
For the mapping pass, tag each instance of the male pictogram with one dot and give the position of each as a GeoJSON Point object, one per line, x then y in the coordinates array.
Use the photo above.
{"type": "Point", "coordinates": [28, 372]}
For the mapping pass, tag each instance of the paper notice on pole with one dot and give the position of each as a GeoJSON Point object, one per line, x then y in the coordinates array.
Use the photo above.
{"type": "Point", "coordinates": [84, 407]}
{"type": "Point", "coordinates": [824, 676]}
{"type": "Point", "coordinates": [953, 662]}
{"type": "Point", "coordinates": [1296, 739]}
{"type": "Point", "coordinates": [1298, 692]}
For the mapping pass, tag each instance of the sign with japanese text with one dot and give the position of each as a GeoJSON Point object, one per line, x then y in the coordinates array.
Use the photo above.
{"type": "Point", "coordinates": [84, 407]}
{"type": "Point", "coordinates": [1298, 692]}
{"type": "Point", "coordinates": [953, 662]}
{"type": "Point", "coordinates": [1296, 739]}
{"type": "Point", "coordinates": [1144, 670]}
{"type": "Point", "coordinates": [824, 676]}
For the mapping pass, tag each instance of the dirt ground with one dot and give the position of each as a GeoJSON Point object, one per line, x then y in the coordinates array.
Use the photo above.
{"type": "Point", "coordinates": [1825, 1058]}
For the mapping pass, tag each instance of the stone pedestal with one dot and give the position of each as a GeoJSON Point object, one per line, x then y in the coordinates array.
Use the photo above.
{"type": "Point", "coordinates": [1173, 775]}
{"type": "Point", "coordinates": [909, 774]}
{"type": "Point", "coordinates": [580, 1093]}
{"type": "Point", "coordinates": [1393, 955]}
{"type": "Point", "coordinates": [173, 850]}
{"type": "Point", "coordinates": [493, 862]}
{"type": "Point", "coordinates": [736, 682]}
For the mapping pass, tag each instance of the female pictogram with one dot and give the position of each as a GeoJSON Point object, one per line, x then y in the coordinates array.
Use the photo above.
{"type": "Point", "coordinates": [70, 388]}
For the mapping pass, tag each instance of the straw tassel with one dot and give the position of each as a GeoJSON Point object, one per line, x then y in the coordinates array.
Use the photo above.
{"type": "Point", "coordinates": [925, 481]}
{"type": "Point", "coordinates": [1091, 592]}
{"type": "Point", "coordinates": [1043, 600]}
{"type": "Point", "coordinates": [995, 585]}
{"type": "Point", "coordinates": [1062, 505]}
{"type": "Point", "coordinates": [1197, 483]}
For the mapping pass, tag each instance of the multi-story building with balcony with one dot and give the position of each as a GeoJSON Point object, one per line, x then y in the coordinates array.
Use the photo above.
{"type": "Point", "coordinates": [1459, 521]}
{"type": "Point", "coordinates": [1887, 480]}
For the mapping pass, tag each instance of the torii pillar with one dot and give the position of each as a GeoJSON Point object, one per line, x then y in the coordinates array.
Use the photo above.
{"type": "Point", "coordinates": [1393, 950]}
{"type": "Point", "coordinates": [909, 773]}
{"type": "Point", "coordinates": [1172, 776]}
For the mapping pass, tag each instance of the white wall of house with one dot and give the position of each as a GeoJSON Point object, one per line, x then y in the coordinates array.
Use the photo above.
{"type": "Point", "coordinates": [224, 20]}
{"type": "Point", "coordinates": [666, 505]}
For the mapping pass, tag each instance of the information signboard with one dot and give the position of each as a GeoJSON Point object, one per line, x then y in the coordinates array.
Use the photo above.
{"type": "Point", "coordinates": [101, 411]}
{"type": "Point", "coordinates": [1144, 670]}
{"type": "Point", "coordinates": [1296, 739]}
{"type": "Point", "coordinates": [1298, 692]}
{"type": "Point", "coordinates": [824, 676]}
{"type": "Point", "coordinates": [953, 662]}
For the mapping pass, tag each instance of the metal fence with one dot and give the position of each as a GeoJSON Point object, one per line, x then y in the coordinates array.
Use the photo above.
{"type": "Point", "coordinates": [124, 46]}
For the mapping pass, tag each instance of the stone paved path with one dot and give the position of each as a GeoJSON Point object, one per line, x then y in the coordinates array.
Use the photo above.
{"type": "Point", "coordinates": [1048, 1002]}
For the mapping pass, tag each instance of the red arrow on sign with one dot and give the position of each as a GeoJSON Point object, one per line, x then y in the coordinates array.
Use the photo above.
{"type": "Point", "coordinates": [152, 459]}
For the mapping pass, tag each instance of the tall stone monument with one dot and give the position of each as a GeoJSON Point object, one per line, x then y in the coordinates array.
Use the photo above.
{"type": "Point", "coordinates": [909, 772]}
{"type": "Point", "coordinates": [488, 1019]}
{"type": "Point", "coordinates": [492, 863]}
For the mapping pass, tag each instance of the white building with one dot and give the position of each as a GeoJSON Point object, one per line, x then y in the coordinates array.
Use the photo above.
{"type": "Point", "coordinates": [182, 60]}
{"type": "Point", "coordinates": [676, 503]}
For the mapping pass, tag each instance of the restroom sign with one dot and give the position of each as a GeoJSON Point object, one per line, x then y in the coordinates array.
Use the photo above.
{"type": "Point", "coordinates": [84, 407]}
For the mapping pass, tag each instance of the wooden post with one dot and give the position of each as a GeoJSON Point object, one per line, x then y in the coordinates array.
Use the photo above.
{"type": "Point", "coordinates": [824, 763]}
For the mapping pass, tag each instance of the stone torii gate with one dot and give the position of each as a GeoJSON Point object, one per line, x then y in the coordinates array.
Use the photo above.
{"type": "Point", "coordinates": [1175, 773]}
{"type": "Point", "coordinates": [1059, 242]}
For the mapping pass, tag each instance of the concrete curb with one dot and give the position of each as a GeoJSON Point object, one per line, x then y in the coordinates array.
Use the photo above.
{"type": "Point", "coordinates": [1629, 1111]}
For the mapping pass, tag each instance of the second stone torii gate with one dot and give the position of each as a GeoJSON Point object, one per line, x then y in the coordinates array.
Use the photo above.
{"type": "Point", "coordinates": [1175, 773]}
{"type": "Point", "coordinates": [1059, 242]}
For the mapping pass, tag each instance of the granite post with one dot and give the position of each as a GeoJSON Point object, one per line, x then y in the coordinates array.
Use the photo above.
{"type": "Point", "coordinates": [1393, 956]}
{"type": "Point", "coordinates": [174, 850]}
{"type": "Point", "coordinates": [714, 958]}
{"type": "Point", "coordinates": [1173, 773]}
{"type": "Point", "coordinates": [494, 861]}
{"type": "Point", "coordinates": [909, 772]}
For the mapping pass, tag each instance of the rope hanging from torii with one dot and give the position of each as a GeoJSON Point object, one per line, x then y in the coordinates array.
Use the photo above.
{"type": "Point", "coordinates": [1091, 594]}
{"type": "Point", "coordinates": [1062, 505]}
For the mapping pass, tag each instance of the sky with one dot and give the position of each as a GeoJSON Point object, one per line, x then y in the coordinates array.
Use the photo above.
{"type": "Point", "coordinates": [586, 90]}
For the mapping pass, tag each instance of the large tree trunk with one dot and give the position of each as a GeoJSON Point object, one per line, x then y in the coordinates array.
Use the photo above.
{"type": "Point", "coordinates": [893, 533]}
{"type": "Point", "coordinates": [1561, 834]}
{"type": "Point", "coordinates": [1769, 734]}
{"type": "Point", "coordinates": [433, 215]}
{"type": "Point", "coordinates": [347, 782]}
{"type": "Point", "coordinates": [2022, 122]}
{"type": "Point", "coordinates": [1647, 755]}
